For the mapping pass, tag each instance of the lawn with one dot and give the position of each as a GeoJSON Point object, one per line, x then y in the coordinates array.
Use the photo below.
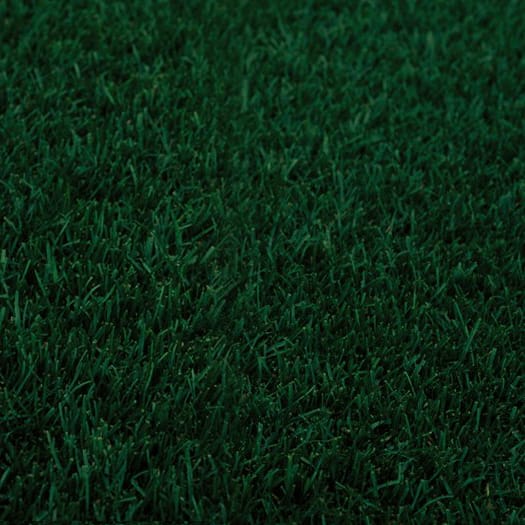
{"type": "Point", "coordinates": [262, 262]}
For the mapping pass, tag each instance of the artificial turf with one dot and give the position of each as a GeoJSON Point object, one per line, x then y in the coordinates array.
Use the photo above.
{"type": "Point", "coordinates": [262, 262]}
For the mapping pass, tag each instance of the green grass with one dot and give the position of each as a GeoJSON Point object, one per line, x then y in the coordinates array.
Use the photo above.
{"type": "Point", "coordinates": [262, 262]}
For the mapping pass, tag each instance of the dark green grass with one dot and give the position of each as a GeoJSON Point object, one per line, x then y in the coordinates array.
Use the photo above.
{"type": "Point", "coordinates": [262, 262]}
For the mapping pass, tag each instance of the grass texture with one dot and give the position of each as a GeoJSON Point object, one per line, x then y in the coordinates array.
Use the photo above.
{"type": "Point", "coordinates": [262, 262]}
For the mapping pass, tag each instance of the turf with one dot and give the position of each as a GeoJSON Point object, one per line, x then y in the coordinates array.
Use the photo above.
{"type": "Point", "coordinates": [262, 262]}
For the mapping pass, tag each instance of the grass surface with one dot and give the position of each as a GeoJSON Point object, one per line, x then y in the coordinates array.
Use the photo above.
{"type": "Point", "coordinates": [262, 262]}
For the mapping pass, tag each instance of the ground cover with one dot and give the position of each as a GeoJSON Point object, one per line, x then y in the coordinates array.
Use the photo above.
{"type": "Point", "coordinates": [262, 262]}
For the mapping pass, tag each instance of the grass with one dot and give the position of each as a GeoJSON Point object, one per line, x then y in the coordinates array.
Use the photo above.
{"type": "Point", "coordinates": [262, 262]}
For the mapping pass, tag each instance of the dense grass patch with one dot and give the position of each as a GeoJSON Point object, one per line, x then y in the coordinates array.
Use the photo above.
{"type": "Point", "coordinates": [262, 262]}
